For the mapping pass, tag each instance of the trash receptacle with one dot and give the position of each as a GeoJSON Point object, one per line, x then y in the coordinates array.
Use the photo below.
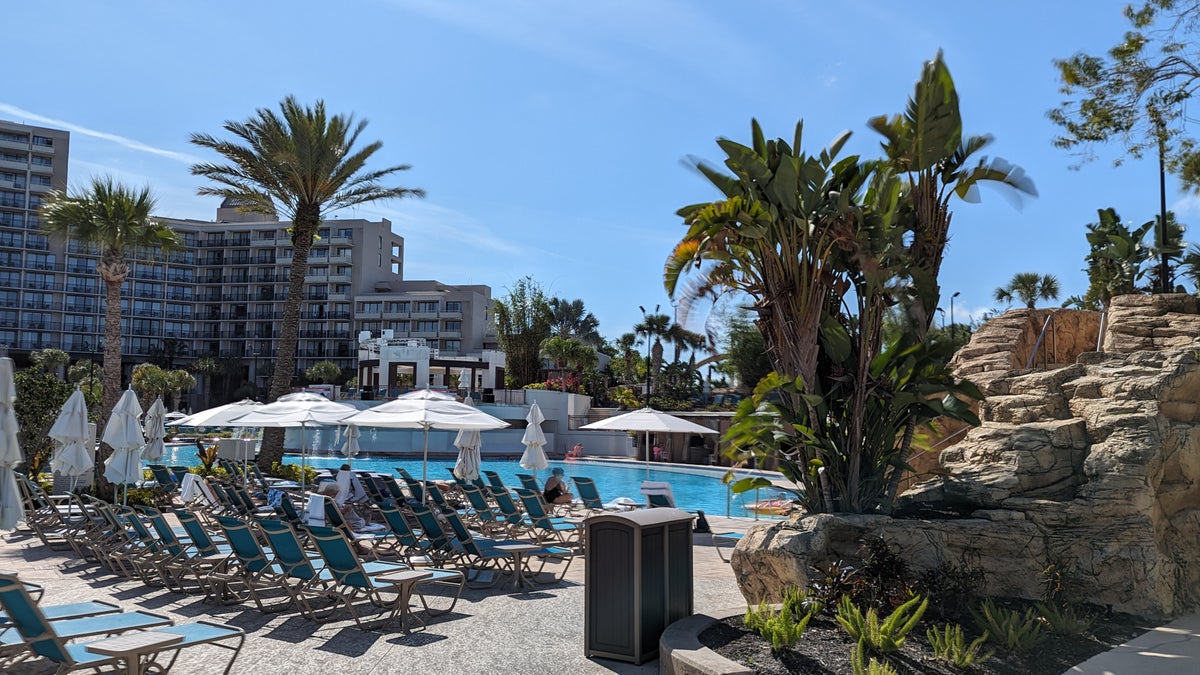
{"type": "Point", "coordinates": [638, 581]}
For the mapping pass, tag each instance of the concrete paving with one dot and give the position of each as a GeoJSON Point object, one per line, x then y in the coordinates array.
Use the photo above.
{"type": "Point", "coordinates": [491, 630]}
{"type": "Point", "coordinates": [1172, 649]}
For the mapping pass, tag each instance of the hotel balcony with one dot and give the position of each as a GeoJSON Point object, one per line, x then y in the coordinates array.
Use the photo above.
{"type": "Point", "coordinates": [35, 187]}
{"type": "Point", "coordinates": [424, 315]}
{"type": "Point", "coordinates": [344, 259]}
{"type": "Point", "coordinates": [340, 278]}
{"type": "Point", "coordinates": [339, 296]}
{"type": "Point", "coordinates": [395, 315]}
{"type": "Point", "coordinates": [14, 145]}
{"type": "Point", "coordinates": [316, 278]}
{"type": "Point", "coordinates": [432, 334]}
{"type": "Point", "coordinates": [450, 315]}
{"type": "Point", "coordinates": [13, 166]}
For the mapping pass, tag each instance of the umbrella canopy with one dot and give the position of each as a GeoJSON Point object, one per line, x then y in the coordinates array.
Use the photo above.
{"type": "Point", "coordinates": [468, 442]}
{"type": "Point", "coordinates": [464, 379]}
{"type": "Point", "coordinates": [153, 426]}
{"type": "Point", "coordinates": [218, 416]}
{"type": "Point", "coordinates": [294, 410]}
{"type": "Point", "coordinates": [424, 409]}
{"type": "Point", "coordinates": [647, 420]}
{"type": "Point", "coordinates": [350, 447]}
{"type": "Point", "coordinates": [124, 435]}
{"type": "Point", "coordinates": [73, 457]}
{"type": "Point", "coordinates": [302, 409]}
{"type": "Point", "coordinates": [173, 417]}
{"type": "Point", "coordinates": [534, 441]}
{"type": "Point", "coordinates": [11, 509]}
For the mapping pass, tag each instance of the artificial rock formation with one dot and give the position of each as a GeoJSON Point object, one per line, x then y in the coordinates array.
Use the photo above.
{"type": "Point", "coordinates": [1092, 466]}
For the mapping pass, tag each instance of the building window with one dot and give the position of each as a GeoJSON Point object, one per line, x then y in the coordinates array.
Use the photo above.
{"type": "Point", "coordinates": [370, 307]}
{"type": "Point", "coordinates": [40, 281]}
{"type": "Point", "coordinates": [425, 307]}
{"type": "Point", "coordinates": [36, 179]}
{"type": "Point", "coordinates": [13, 199]}
{"type": "Point", "coordinates": [399, 326]}
{"type": "Point", "coordinates": [13, 138]}
{"type": "Point", "coordinates": [43, 141]}
{"type": "Point", "coordinates": [453, 325]}
{"type": "Point", "coordinates": [453, 306]}
{"type": "Point", "coordinates": [451, 345]}
{"type": "Point", "coordinates": [39, 261]}
{"type": "Point", "coordinates": [42, 160]}
{"type": "Point", "coordinates": [426, 327]}
{"type": "Point", "coordinates": [10, 219]}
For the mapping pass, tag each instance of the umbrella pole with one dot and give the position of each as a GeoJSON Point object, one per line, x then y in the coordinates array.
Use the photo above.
{"type": "Point", "coordinates": [425, 469]}
{"type": "Point", "coordinates": [303, 449]}
{"type": "Point", "coordinates": [647, 455]}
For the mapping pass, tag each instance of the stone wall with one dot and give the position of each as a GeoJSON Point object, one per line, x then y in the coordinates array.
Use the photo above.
{"type": "Point", "coordinates": [1094, 465]}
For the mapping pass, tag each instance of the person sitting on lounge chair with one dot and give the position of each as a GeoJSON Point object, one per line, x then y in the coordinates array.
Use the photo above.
{"type": "Point", "coordinates": [356, 522]}
{"type": "Point", "coordinates": [556, 488]}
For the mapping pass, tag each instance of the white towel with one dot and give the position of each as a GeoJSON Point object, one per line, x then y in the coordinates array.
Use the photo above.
{"type": "Point", "coordinates": [190, 487]}
{"type": "Point", "coordinates": [315, 511]}
{"type": "Point", "coordinates": [344, 489]}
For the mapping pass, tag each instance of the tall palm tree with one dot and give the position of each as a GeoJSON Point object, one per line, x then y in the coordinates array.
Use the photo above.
{"type": "Point", "coordinates": [114, 218]}
{"type": "Point", "coordinates": [1029, 287]}
{"type": "Point", "coordinates": [572, 320]}
{"type": "Point", "coordinates": [654, 327]}
{"type": "Point", "coordinates": [625, 345]}
{"type": "Point", "coordinates": [300, 164]}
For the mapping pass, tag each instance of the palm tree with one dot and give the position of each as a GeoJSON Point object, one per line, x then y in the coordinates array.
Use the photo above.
{"type": "Point", "coordinates": [654, 327]}
{"type": "Point", "coordinates": [625, 345]}
{"type": "Point", "coordinates": [324, 372]}
{"type": "Point", "coordinates": [301, 164]}
{"type": "Point", "coordinates": [570, 319]}
{"type": "Point", "coordinates": [1029, 287]}
{"type": "Point", "coordinates": [114, 218]}
{"type": "Point", "coordinates": [50, 360]}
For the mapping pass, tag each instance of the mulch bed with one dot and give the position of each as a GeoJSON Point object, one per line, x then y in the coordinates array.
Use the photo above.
{"type": "Point", "coordinates": [825, 648]}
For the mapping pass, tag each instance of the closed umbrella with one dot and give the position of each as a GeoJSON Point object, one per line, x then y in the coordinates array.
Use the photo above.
{"type": "Point", "coordinates": [11, 509]}
{"type": "Point", "coordinates": [468, 442]}
{"type": "Point", "coordinates": [647, 420]}
{"type": "Point", "coordinates": [302, 409]}
{"type": "Point", "coordinates": [424, 409]}
{"type": "Point", "coordinates": [350, 447]}
{"type": "Point", "coordinates": [124, 435]}
{"type": "Point", "coordinates": [153, 426]}
{"type": "Point", "coordinates": [534, 441]}
{"type": "Point", "coordinates": [73, 456]}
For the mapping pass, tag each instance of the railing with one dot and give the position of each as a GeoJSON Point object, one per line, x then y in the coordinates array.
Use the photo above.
{"type": "Point", "coordinates": [1038, 345]}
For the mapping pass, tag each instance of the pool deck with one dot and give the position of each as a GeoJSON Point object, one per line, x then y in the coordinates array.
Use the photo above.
{"type": "Point", "coordinates": [490, 631]}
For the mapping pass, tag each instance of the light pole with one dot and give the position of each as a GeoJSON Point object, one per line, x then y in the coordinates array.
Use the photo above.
{"type": "Point", "coordinates": [953, 331]}
{"type": "Point", "coordinates": [646, 325]}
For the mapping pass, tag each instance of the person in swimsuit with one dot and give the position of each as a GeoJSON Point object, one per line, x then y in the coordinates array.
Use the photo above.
{"type": "Point", "coordinates": [556, 489]}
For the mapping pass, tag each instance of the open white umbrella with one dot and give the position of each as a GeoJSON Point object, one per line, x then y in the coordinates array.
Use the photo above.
{"type": "Point", "coordinates": [302, 410]}
{"type": "Point", "coordinates": [218, 416]}
{"type": "Point", "coordinates": [73, 456]}
{"type": "Point", "coordinates": [153, 427]}
{"type": "Point", "coordinates": [647, 420]}
{"type": "Point", "coordinates": [534, 441]}
{"type": "Point", "coordinates": [124, 435]}
{"type": "Point", "coordinates": [468, 442]}
{"type": "Point", "coordinates": [11, 509]}
{"type": "Point", "coordinates": [424, 409]}
{"type": "Point", "coordinates": [350, 447]}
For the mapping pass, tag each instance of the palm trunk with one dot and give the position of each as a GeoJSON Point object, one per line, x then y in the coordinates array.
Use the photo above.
{"type": "Point", "coordinates": [111, 379]}
{"type": "Point", "coordinates": [304, 228]}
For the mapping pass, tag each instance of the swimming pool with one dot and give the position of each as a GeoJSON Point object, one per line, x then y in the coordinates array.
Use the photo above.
{"type": "Point", "coordinates": [695, 488]}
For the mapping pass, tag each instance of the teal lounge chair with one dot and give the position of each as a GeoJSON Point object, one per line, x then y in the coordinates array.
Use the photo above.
{"type": "Point", "coordinates": [406, 544]}
{"type": "Point", "coordinates": [494, 480]}
{"type": "Point", "coordinates": [352, 578]}
{"type": "Point", "coordinates": [249, 572]}
{"type": "Point", "coordinates": [565, 531]}
{"type": "Point", "coordinates": [49, 639]}
{"type": "Point", "coordinates": [482, 552]}
{"type": "Point", "coordinates": [165, 479]}
{"type": "Point", "coordinates": [590, 496]}
{"type": "Point", "coordinates": [528, 482]}
{"type": "Point", "coordinates": [481, 513]}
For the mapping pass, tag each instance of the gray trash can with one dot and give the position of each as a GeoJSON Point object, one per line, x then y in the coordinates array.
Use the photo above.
{"type": "Point", "coordinates": [638, 581]}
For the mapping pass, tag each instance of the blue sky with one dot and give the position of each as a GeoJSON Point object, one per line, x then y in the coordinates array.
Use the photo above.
{"type": "Point", "coordinates": [550, 136]}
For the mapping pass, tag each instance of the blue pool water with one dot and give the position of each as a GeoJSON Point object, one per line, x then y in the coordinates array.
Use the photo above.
{"type": "Point", "coordinates": [695, 488]}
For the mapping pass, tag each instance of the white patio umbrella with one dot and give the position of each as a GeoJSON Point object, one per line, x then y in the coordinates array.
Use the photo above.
{"type": "Point", "coordinates": [172, 418]}
{"type": "Point", "coordinates": [302, 410]}
{"type": "Point", "coordinates": [124, 435]}
{"type": "Point", "coordinates": [534, 441]}
{"type": "Point", "coordinates": [350, 446]}
{"type": "Point", "coordinates": [11, 509]}
{"type": "Point", "coordinates": [468, 442]}
{"type": "Point", "coordinates": [218, 416]}
{"type": "Point", "coordinates": [424, 409]}
{"type": "Point", "coordinates": [647, 420]}
{"type": "Point", "coordinates": [72, 458]}
{"type": "Point", "coordinates": [153, 426]}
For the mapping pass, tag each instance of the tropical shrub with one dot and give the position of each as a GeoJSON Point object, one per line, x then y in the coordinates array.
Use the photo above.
{"type": "Point", "coordinates": [1015, 631]}
{"type": "Point", "coordinates": [949, 645]}
{"type": "Point", "coordinates": [1066, 621]}
{"type": "Point", "coordinates": [885, 637]}
{"type": "Point", "coordinates": [779, 627]}
{"type": "Point", "coordinates": [861, 666]}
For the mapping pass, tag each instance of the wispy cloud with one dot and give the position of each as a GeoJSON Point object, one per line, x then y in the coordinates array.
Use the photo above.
{"type": "Point", "coordinates": [608, 37]}
{"type": "Point", "coordinates": [129, 143]}
{"type": "Point", "coordinates": [434, 225]}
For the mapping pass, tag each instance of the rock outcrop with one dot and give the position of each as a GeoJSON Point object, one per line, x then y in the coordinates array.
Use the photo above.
{"type": "Point", "coordinates": [1092, 466]}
